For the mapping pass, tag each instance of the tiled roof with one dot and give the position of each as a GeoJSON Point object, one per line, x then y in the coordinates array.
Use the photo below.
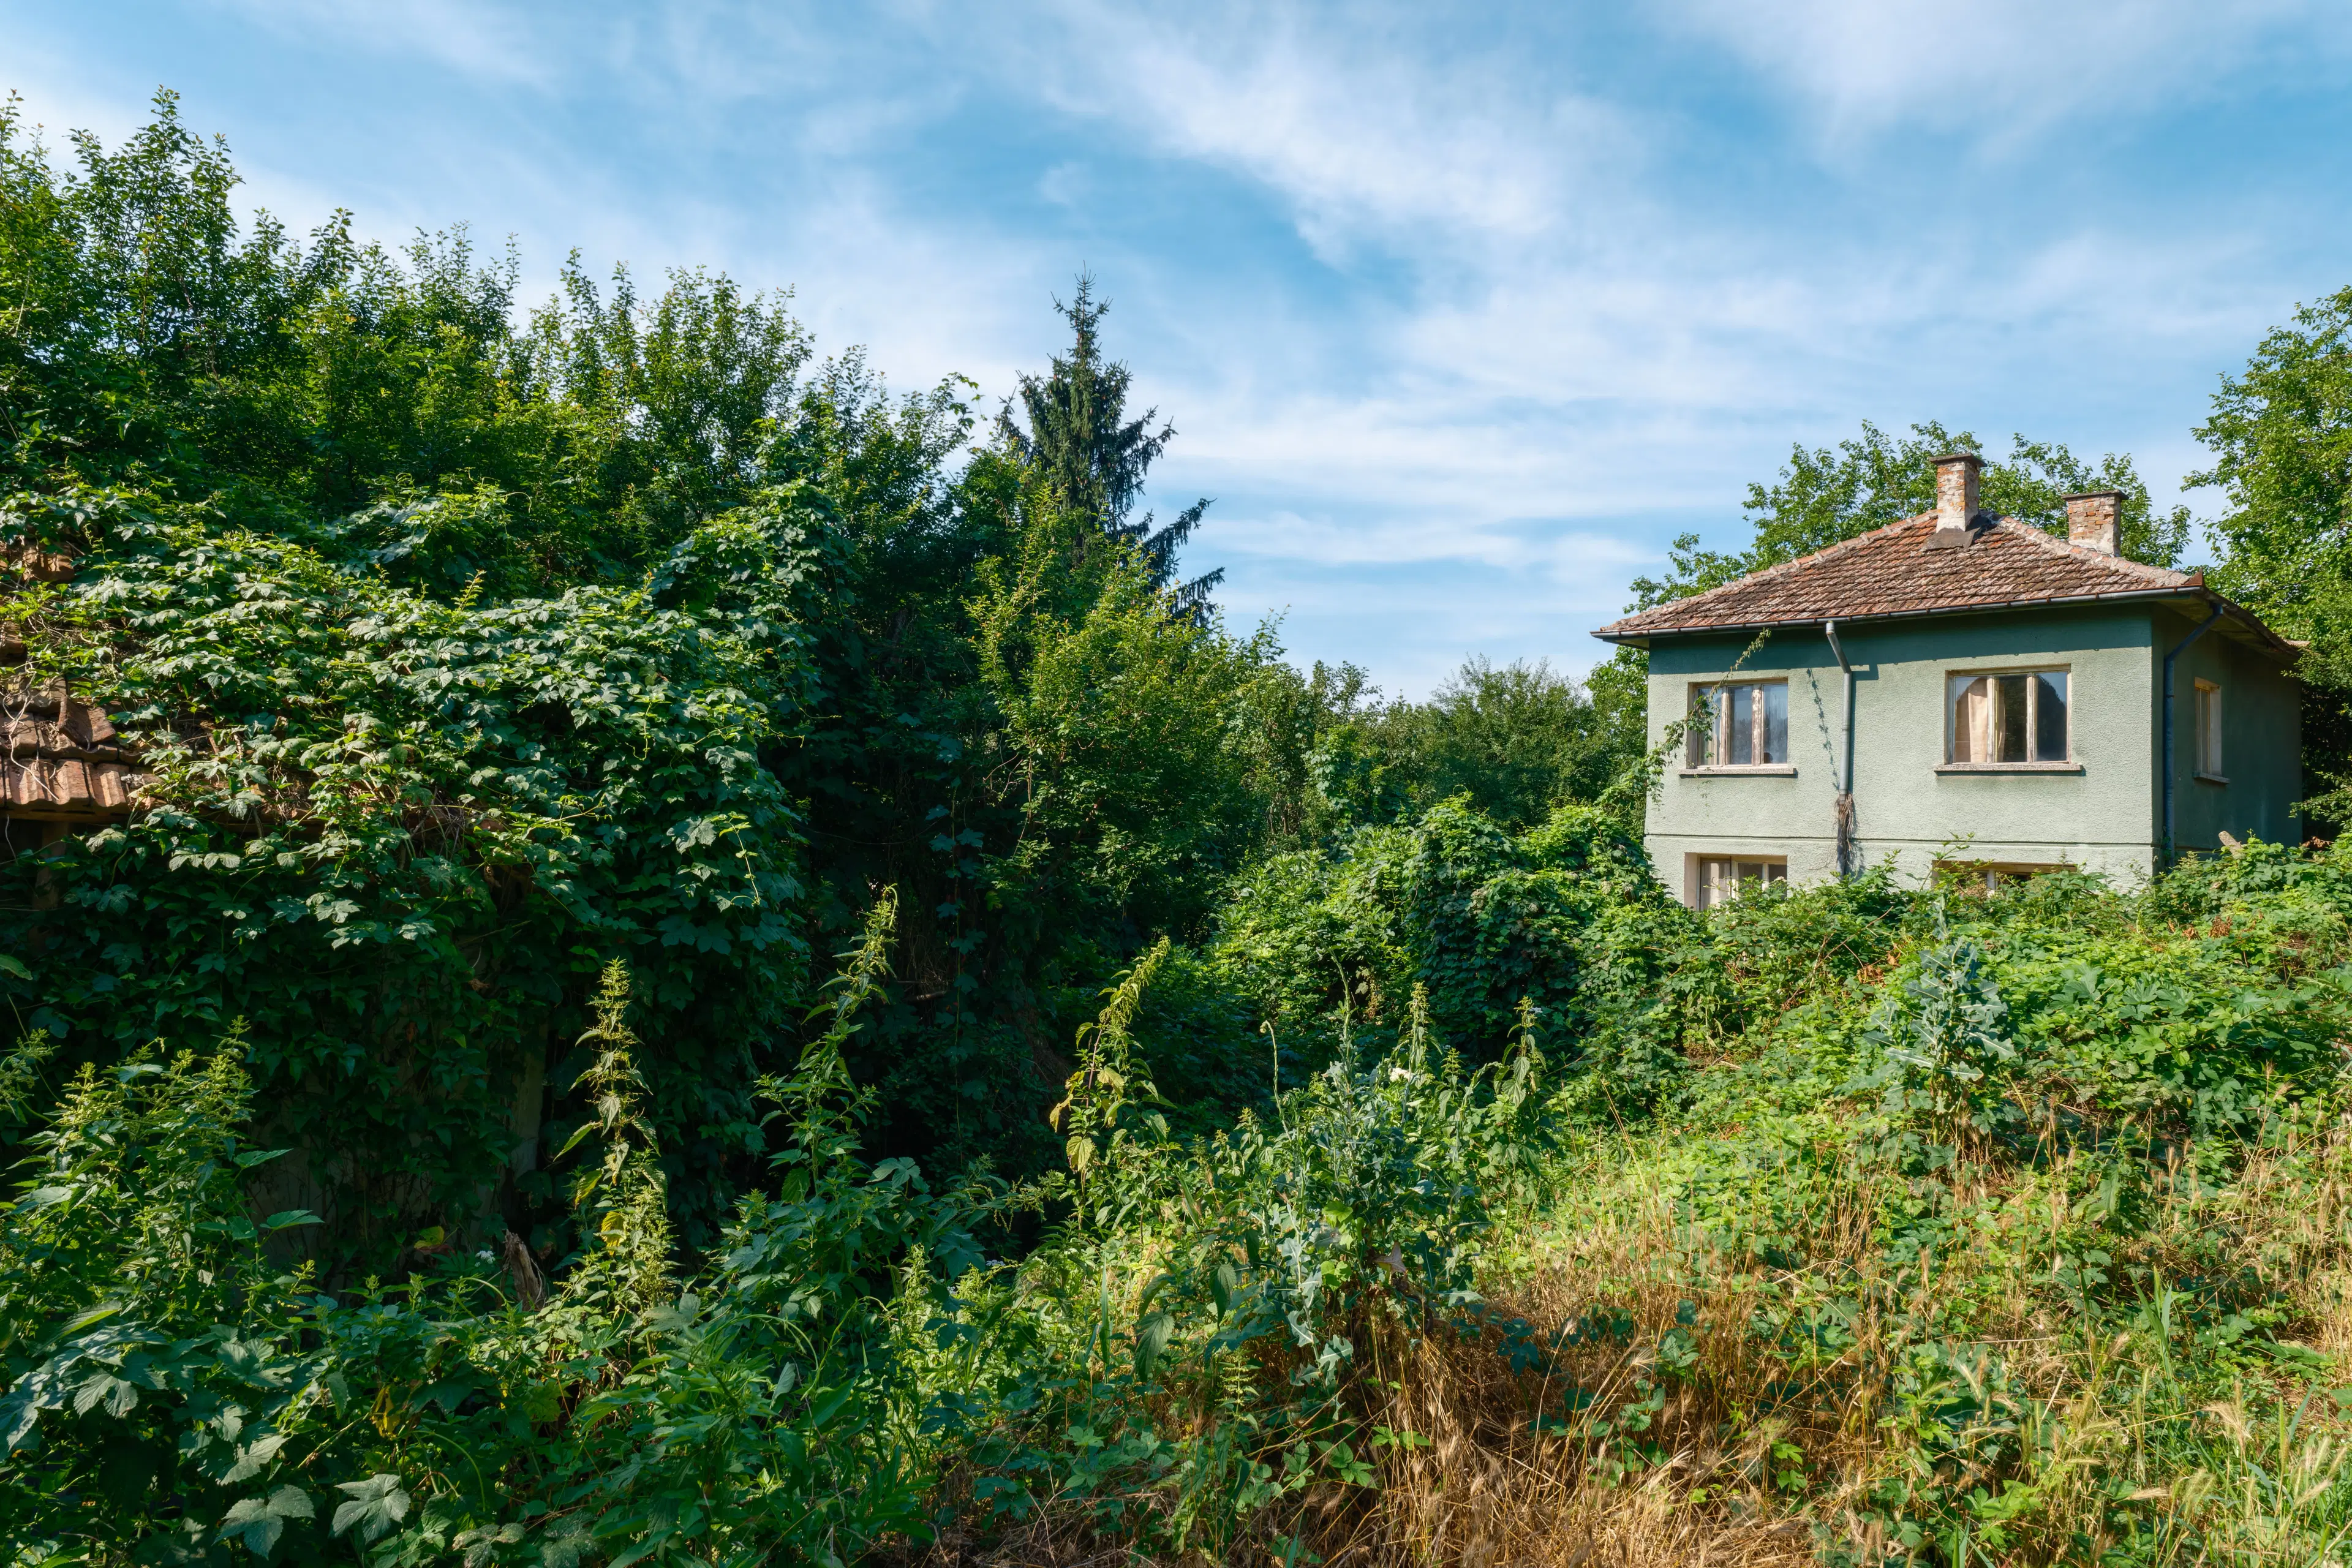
{"type": "Point", "coordinates": [1896, 571]}
{"type": "Point", "coordinates": [59, 760]}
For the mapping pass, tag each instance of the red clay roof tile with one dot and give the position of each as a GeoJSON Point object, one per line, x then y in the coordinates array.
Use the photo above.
{"type": "Point", "coordinates": [1894, 571]}
{"type": "Point", "coordinates": [59, 760]}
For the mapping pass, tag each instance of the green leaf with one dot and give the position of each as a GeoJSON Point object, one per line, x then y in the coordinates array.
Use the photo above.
{"type": "Point", "coordinates": [565, 1544]}
{"type": "Point", "coordinates": [258, 1521]}
{"type": "Point", "coordinates": [119, 1396]}
{"type": "Point", "coordinates": [96, 1315]}
{"type": "Point", "coordinates": [254, 1457]}
{"type": "Point", "coordinates": [286, 1219]}
{"type": "Point", "coordinates": [377, 1504]}
{"type": "Point", "coordinates": [1151, 1337]}
{"type": "Point", "coordinates": [14, 966]}
{"type": "Point", "coordinates": [579, 1135]}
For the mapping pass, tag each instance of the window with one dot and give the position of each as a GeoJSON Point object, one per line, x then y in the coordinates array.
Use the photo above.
{"type": "Point", "coordinates": [1720, 881]}
{"type": "Point", "coordinates": [2209, 730]}
{"type": "Point", "coordinates": [1991, 720]}
{"type": "Point", "coordinates": [1741, 726]}
{"type": "Point", "coordinates": [1991, 876]}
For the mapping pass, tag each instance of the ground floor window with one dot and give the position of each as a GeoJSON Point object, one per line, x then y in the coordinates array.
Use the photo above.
{"type": "Point", "coordinates": [1991, 876]}
{"type": "Point", "coordinates": [1722, 878]}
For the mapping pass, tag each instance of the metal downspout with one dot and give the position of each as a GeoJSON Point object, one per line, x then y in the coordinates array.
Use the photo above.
{"type": "Point", "coordinates": [2171, 850]}
{"type": "Point", "coordinates": [1845, 739]}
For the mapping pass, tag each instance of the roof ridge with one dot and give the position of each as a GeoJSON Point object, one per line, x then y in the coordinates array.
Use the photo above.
{"type": "Point", "coordinates": [1895, 570]}
{"type": "Point", "coordinates": [2160, 577]}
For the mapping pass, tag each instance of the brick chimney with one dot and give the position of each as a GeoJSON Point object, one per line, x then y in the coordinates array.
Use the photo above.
{"type": "Point", "coordinates": [1958, 481]}
{"type": "Point", "coordinates": [2094, 521]}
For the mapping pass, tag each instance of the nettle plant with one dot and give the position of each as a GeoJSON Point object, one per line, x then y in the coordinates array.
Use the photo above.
{"type": "Point", "coordinates": [1191, 1347]}
{"type": "Point", "coordinates": [173, 1393]}
{"type": "Point", "coordinates": [1943, 1042]}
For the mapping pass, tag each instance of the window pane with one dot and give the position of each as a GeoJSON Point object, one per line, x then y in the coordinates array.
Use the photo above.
{"type": "Point", "coordinates": [1743, 725]}
{"type": "Point", "coordinates": [1777, 872]}
{"type": "Point", "coordinates": [2050, 717]}
{"type": "Point", "coordinates": [1776, 723]}
{"type": "Point", "coordinates": [2008, 714]}
{"type": "Point", "coordinates": [1971, 701]}
{"type": "Point", "coordinates": [1702, 727]}
{"type": "Point", "coordinates": [2209, 730]}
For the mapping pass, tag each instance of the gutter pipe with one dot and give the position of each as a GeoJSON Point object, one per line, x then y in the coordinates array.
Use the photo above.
{"type": "Point", "coordinates": [1845, 739]}
{"type": "Point", "coordinates": [2171, 850]}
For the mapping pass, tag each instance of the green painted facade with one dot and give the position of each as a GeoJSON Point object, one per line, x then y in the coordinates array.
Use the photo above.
{"type": "Point", "coordinates": [2101, 810]}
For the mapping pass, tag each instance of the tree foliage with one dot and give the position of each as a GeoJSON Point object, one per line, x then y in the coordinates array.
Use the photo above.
{"type": "Point", "coordinates": [2281, 436]}
{"type": "Point", "coordinates": [1094, 457]}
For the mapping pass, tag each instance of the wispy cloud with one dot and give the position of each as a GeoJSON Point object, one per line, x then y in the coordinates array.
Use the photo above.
{"type": "Point", "coordinates": [492, 43]}
{"type": "Point", "coordinates": [2006, 71]}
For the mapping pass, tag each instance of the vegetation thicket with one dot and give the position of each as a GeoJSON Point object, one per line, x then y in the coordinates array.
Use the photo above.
{"type": "Point", "coordinates": [717, 965]}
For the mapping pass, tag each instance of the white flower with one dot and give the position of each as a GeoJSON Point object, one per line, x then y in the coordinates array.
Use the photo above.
{"type": "Point", "coordinates": [487, 1256]}
{"type": "Point", "coordinates": [1399, 1072]}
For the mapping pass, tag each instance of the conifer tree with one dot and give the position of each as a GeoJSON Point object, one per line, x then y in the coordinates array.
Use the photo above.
{"type": "Point", "coordinates": [1078, 433]}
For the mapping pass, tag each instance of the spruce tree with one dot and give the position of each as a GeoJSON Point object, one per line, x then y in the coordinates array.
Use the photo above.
{"type": "Point", "coordinates": [1078, 433]}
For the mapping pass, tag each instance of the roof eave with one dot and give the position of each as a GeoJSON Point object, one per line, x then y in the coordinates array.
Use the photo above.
{"type": "Point", "coordinates": [2283, 649]}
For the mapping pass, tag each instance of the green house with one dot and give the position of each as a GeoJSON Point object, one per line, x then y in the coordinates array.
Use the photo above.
{"type": "Point", "coordinates": [1959, 688]}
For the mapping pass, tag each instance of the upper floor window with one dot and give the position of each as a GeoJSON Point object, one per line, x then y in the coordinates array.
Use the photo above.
{"type": "Point", "coordinates": [2209, 730]}
{"type": "Point", "coordinates": [2006, 718]}
{"type": "Point", "coordinates": [1744, 725]}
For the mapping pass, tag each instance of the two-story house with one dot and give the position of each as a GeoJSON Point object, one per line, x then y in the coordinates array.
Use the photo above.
{"type": "Point", "coordinates": [1962, 688]}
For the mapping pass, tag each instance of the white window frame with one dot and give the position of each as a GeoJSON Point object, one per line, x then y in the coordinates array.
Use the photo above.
{"type": "Point", "coordinates": [1994, 875]}
{"type": "Point", "coordinates": [2033, 715]}
{"type": "Point", "coordinates": [2205, 727]}
{"type": "Point", "coordinates": [1770, 869]}
{"type": "Point", "coordinates": [1717, 737]}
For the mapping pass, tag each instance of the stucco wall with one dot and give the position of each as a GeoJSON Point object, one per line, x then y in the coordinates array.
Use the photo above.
{"type": "Point", "coordinates": [2100, 813]}
{"type": "Point", "coordinates": [2262, 742]}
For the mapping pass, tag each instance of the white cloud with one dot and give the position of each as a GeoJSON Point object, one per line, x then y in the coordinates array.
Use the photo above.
{"type": "Point", "coordinates": [2004, 71]}
{"type": "Point", "coordinates": [490, 42]}
{"type": "Point", "coordinates": [1346, 116]}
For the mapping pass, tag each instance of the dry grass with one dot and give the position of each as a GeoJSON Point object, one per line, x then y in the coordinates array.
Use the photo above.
{"type": "Point", "coordinates": [1765, 1448]}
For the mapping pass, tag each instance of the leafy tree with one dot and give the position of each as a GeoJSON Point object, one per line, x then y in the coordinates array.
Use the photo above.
{"type": "Point", "coordinates": [1096, 459]}
{"type": "Point", "coordinates": [1515, 739]}
{"type": "Point", "coordinates": [2281, 435]}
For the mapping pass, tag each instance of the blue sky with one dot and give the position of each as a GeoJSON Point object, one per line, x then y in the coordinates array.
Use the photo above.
{"type": "Point", "coordinates": [1462, 313]}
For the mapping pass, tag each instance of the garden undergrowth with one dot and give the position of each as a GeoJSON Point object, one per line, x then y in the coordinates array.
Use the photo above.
{"type": "Point", "coordinates": [1968, 1230]}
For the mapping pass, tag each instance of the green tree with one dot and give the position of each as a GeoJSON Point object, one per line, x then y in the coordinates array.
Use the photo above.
{"type": "Point", "coordinates": [1078, 435]}
{"type": "Point", "coordinates": [1517, 739]}
{"type": "Point", "coordinates": [2281, 435]}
